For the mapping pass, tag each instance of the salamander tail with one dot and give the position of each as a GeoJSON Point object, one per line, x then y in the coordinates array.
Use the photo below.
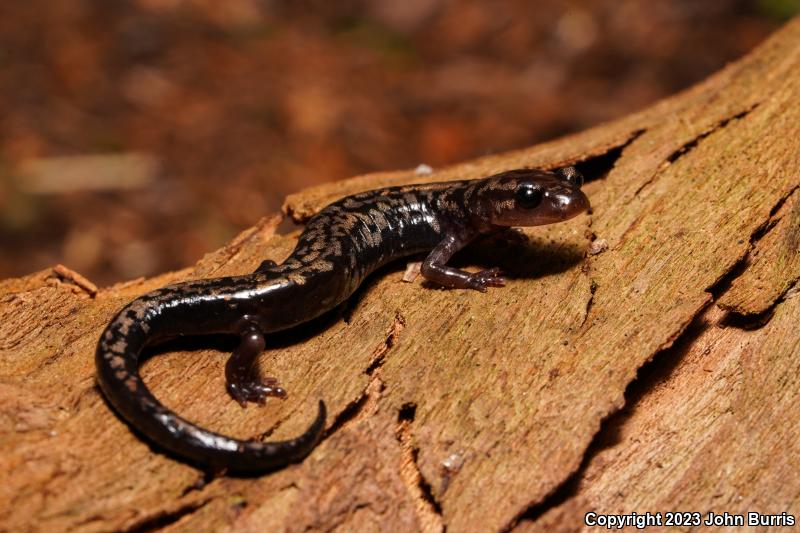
{"type": "Point", "coordinates": [117, 360]}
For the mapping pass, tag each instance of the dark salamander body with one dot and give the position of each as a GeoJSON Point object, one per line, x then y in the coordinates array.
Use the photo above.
{"type": "Point", "coordinates": [340, 247]}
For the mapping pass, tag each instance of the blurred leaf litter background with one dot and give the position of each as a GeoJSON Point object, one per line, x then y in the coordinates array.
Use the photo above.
{"type": "Point", "coordinates": [136, 136]}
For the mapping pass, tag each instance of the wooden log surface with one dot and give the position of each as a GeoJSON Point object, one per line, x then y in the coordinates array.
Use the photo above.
{"type": "Point", "coordinates": [673, 298]}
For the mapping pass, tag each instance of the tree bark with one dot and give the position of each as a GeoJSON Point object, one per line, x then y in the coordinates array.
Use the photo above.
{"type": "Point", "coordinates": [643, 357]}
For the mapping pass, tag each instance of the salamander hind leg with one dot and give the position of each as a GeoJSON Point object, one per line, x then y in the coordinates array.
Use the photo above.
{"type": "Point", "coordinates": [268, 269]}
{"type": "Point", "coordinates": [266, 265]}
{"type": "Point", "coordinates": [243, 382]}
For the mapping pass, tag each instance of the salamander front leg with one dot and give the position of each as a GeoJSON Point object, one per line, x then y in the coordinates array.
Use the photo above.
{"type": "Point", "coordinates": [242, 382]}
{"type": "Point", "coordinates": [435, 269]}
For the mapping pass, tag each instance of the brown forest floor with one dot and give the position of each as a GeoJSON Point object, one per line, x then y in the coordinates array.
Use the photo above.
{"type": "Point", "coordinates": [237, 104]}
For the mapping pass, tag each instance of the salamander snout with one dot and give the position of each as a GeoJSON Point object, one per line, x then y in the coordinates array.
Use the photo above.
{"type": "Point", "coordinates": [568, 203]}
{"type": "Point", "coordinates": [528, 197]}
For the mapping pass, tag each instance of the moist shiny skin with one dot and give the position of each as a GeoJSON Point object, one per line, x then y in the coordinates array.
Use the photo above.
{"type": "Point", "coordinates": [340, 246]}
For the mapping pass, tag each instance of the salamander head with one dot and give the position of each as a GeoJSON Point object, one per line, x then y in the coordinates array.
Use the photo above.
{"type": "Point", "coordinates": [529, 197]}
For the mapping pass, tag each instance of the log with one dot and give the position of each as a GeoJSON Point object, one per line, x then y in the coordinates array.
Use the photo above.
{"type": "Point", "coordinates": [643, 357]}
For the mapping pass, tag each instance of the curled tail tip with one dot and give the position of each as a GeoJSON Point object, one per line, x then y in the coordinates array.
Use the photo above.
{"type": "Point", "coordinates": [269, 456]}
{"type": "Point", "coordinates": [318, 426]}
{"type": "Point", "coordinates": [315, 432]}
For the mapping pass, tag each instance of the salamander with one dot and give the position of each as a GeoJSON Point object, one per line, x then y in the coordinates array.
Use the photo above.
{"type": "Point", "coordinates": [339, 248]}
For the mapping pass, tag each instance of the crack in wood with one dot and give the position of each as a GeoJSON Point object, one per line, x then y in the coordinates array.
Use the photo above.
{"type": "Point", "coordinates": [392, 335]}
{"type": "Point", "coordinates": [749, 322]}
{"type": "Point", "coordinates": [722, 285]}
{"type": "Point", "coordinates": [782, 201]}
{"type": "Point", "coordinates": [691, 145]}
{"type": "Point", "coordinates": [597, 167]}
{"type": "Point", "coordinates": [374, 388]}
{"type": "Point", "coordinates": [351, 411]}
{"type": "Point", "coordinates": [589, 302]}
{"type": "Point", "coordinates": [429, 511]}
{"type": "Point", "coordinates": [657, 369]}
{"type": "Point", "coordinates": [164, 518]}
{"type": "Point", "coordinates": [772, 219]}
{"type": "Point", "coordinates": [758, 320]}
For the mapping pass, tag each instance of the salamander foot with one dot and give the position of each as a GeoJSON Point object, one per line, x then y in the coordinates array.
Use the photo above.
{"type": "Point", "coordinates": [480, 281]}
{"type": "Point", "coordinates": [255, 391]}
{"type": "Point", "coordinates": [242, 384]}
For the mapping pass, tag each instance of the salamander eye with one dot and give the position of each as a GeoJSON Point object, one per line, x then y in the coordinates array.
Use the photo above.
{"type": "Point", "coordinates": [528, 196]}
{"type": "Point", "coordinates": [572, 175]}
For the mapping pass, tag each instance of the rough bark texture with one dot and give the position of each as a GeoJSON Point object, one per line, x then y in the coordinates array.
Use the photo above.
{"type": "Point", "coordinates": [476, 411]}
